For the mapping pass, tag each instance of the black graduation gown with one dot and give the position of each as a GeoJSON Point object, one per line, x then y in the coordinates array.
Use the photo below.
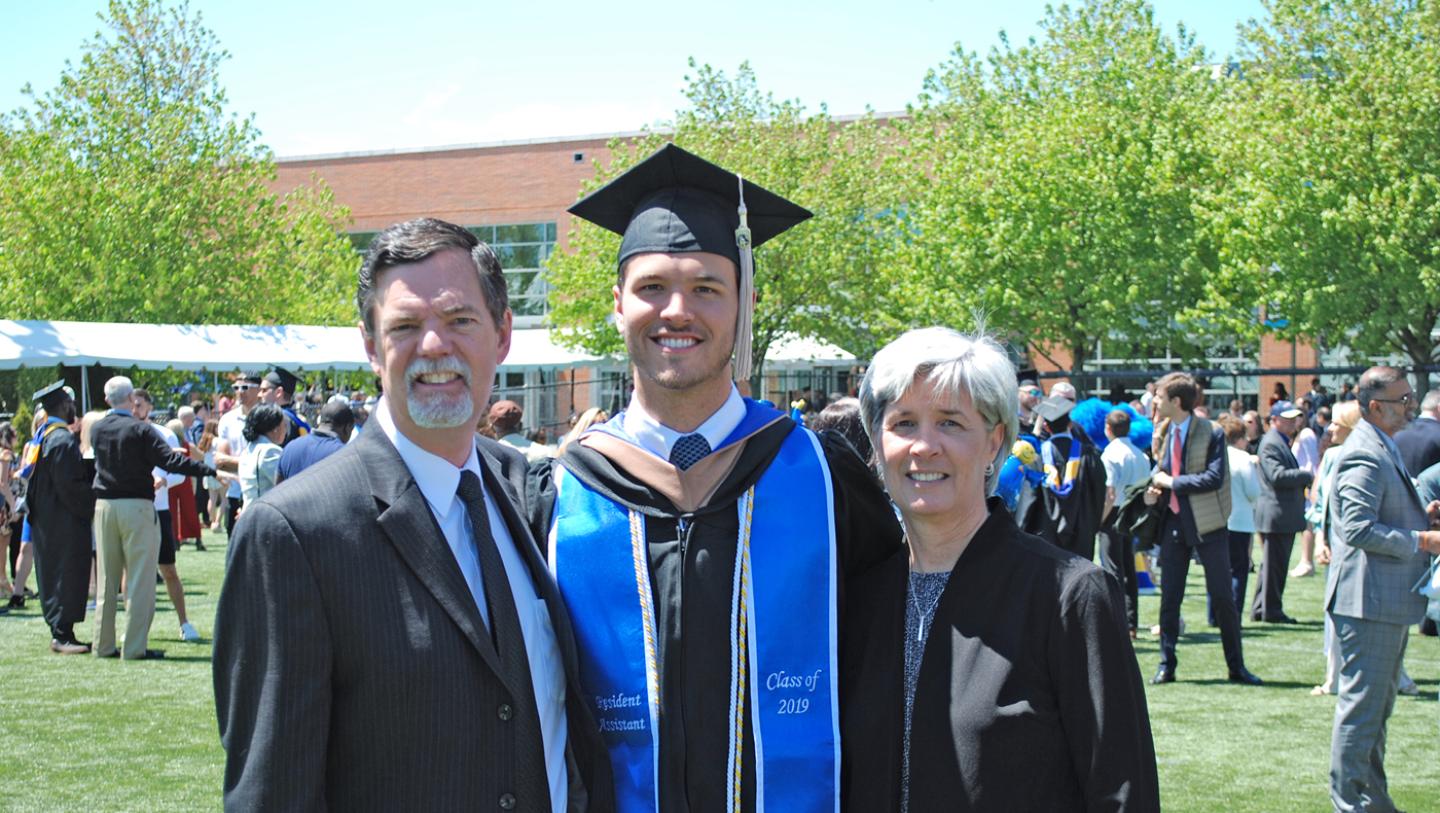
{"type": "Point", "coordinates": [1072, 521]}
{"type": "Point", "coordinates": [1028, 699]}
{"type": "Point", "coordinates": [62, 505]}
{"type": "Point", "coordinates": [691, 582]}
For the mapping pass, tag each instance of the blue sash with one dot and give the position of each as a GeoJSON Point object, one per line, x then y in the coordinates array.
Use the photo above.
{"type": "Point", "coordinates": [783, 656]}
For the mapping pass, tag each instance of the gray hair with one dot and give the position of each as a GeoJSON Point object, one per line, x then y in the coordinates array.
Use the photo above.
{"type": "Point", "coordinates": [1372, 381]}
{"type": "Point", "coordinates": [1431, 401]}
{"type": "Point", "coordinates": [185, 410]}
{"type": "Point", "coordinates": [118, 391]}
{"type": "Point", "coordinates": [954, 363]}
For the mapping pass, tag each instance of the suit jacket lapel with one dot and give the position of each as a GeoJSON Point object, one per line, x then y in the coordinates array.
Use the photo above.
{"type": "Point", "coordinates": [539, 573]}
{"type": "Point", "coordinates": [407, 522]}
{"type": "Point", "coordinates": [1396, 462]}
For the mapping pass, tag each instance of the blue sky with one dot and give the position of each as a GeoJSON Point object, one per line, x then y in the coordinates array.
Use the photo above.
{"type": "Point", "coordinates": [326, 77]}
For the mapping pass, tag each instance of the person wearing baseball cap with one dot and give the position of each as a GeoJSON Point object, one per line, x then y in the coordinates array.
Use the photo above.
{"type": "Point", "coordinates": [1279, 510]}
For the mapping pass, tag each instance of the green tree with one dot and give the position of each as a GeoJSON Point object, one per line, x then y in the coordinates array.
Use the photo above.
{"type": "Point", "coordinates": [1057, 182]}
{"type": "Point", "coordinates": [817, 280]}
{"type": "Point", "coordinates": [1332, 218]}
{"type": "Point", "coordinates": [127, 193]}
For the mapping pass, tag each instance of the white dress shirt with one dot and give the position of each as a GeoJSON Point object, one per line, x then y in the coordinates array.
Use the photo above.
{"type": "Point", "coordinates": [162, 495]}
{"type": "Point", "coordinates": [438, 480]}
{"type": "Point", "coordinates": [658, 439]}
{"type": "Point", "coordinates": [1125, 465]}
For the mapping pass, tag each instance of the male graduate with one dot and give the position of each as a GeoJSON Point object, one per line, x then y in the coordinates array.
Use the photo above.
{"type": "Point", "coordinates": [700, 540]}
{"type": "Point", "coordinates": [278, 388]}
{"type": "Point", "coordinates": [61, 506]}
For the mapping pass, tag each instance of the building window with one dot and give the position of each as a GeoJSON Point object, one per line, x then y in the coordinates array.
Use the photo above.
{"type": "Point", "coordinates": [522, 249]}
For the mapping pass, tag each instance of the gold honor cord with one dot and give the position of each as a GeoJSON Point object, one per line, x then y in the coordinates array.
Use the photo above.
{"type": "Point", "coordinates": [647, 611]}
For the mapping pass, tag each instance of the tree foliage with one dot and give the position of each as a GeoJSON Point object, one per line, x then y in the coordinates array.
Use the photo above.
{"type": "Point", "coordinates": [1332, 216]}
{"type": "Point", "coordinates": [128, 193]}
{"type": "Point", "coordinates": [819, 279]}
{"type": "Point", "coordinates": [1057, 182]}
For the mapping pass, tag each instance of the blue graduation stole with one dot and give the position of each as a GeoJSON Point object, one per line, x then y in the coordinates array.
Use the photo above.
{"type": "Point", "coordinates": [783, 654]}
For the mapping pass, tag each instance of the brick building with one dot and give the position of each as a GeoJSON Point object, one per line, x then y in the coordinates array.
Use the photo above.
{"type": "Point", "coordinates": [513, 195]}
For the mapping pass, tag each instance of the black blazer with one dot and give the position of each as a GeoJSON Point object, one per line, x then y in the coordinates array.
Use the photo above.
{"type": "Point", "coordinates": [352, 669]}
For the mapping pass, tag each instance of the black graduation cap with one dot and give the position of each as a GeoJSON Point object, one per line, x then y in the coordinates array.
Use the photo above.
{"type": "Point", "coordinates": [676, 202]}
{"type": "Point", "coordinates": [283, 378]}
{"type": "Point", "coordinates": [52, 395]}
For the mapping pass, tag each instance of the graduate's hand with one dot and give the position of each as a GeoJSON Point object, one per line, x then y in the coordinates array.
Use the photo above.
{"type": "Point", "coordinates": [1152, 495]}
{"type": "Point", "coordinates": [1433, 511]}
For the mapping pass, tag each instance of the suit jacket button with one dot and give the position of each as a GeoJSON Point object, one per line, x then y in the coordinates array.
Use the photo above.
{"type": "Point", "coordinates": [504, 712]}
{"type": "Point", "coordinates": [507, 801]}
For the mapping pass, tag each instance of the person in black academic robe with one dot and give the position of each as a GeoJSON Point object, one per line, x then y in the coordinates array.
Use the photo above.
{"type": "Point", "coordinates": [61, 505]}
{"type": "Point", "coordinates": [1071, 520]}
{"type": "Point", "coordinates": [684, 303]}
{"type": "Point", "coordinates": [1031, 701]}
{"type": "Point", "coordinates": [983, 668]}
{"type": "Point", "coordinates": [696, 563]}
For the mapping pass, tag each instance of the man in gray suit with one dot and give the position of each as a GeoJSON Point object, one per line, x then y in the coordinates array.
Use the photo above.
{"type": "Point", "coordinates": [1380, 538]}
{"type": "Point", "coordinates": [388, 637]}
{"type": "Point", "coordinates": [1279, 511]}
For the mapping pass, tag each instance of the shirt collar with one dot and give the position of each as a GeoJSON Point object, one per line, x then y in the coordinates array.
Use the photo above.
{"type": "Point", "coordinates": [1183, 427]}
{"type": "Point", "coordinates": [437, 477]}
{"type": "Point", "coordinates": [659, 439]}
{"type": "Point", "coordinates": [121, 412]}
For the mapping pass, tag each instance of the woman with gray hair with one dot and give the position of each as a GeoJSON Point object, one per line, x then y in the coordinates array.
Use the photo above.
{"type": "Point", "coordinates": [985, 669]}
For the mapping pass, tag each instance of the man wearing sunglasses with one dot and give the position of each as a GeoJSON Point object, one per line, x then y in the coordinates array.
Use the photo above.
{"type": "Point", "coordinates": [231, 444]}
{"type": "Point", "coordinates": [1380, 541]}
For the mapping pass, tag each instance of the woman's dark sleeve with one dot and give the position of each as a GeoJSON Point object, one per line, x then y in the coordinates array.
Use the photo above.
{"type": "Point", "coordinates": [866, 530]}
{"type": "Point", "coordinates": [539, 500]}
{"type": "Point", "coordinates": [1101, 696]}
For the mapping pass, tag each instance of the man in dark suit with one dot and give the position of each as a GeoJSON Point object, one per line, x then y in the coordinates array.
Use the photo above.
{"type": "Point", "coordinates": [1279, 510]}
{"type": "Point", "coordinates": [1193, 481]}
{"type": "Point", "coordinates": [1420, 441]}
{"type": "Point", "coordinates": [388, 637]}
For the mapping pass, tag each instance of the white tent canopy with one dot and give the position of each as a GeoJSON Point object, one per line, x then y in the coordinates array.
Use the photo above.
{"type": "Point", "coordinates": [38, 343]}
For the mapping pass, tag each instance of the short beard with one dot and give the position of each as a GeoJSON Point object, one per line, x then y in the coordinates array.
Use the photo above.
{"type": "Point", "coordinates": [439, 411]}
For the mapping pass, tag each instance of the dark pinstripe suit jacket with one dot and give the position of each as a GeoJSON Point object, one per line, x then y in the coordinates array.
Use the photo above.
{"type": "Point", "coordinates": [352, 668]}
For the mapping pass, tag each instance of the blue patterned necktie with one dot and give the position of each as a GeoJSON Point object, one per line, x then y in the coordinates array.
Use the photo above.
{"type": "Point", "coordinates": [688, 450]}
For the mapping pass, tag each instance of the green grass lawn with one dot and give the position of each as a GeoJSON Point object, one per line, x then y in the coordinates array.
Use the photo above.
{"type": "Point", "coordinates": [92, 735]}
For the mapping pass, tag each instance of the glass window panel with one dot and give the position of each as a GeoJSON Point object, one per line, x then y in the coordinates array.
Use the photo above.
{"type": "Point", "coordinates": [520, 233]}
{"type": "Point", "coordinates": [550, 232]}
{"type": "Point", "coordinates": [484, 233]}
{"type": "Point", "coordinates": [518, 256]}
{"type": "Point", "coordinates": [361, 240]}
